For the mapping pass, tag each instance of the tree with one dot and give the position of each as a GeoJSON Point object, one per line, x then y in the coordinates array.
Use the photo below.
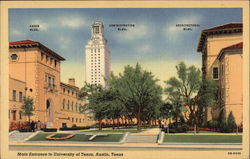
{"type": "Point", "coordinates": [138, 90]}
{"type": "Point", "coordinates": [28, 107]}
{"type": "Point", "coordinates": [89, 89]}
{"type": "Point", "coordinates": [207, 97]}
{"type": "Point", "coordinates": [97, 106]}
{"type": "Point", "coordinates": [191, 91]}
{"type": "Point", "coordinates": [231, 122]}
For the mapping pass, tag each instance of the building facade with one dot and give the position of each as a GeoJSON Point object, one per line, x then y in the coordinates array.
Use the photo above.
{"type": "Point", "coordinates": [35, 70]}
{"type": "Point", "coordinates": [98, 58]}
{"type": "Point", "coordinates": [221, 49]}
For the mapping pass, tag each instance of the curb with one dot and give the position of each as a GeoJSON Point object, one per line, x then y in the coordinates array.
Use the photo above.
{"type": "Point", "coordinates": [161, 137]}
{"type": "Point", "coordinates": [32, 135]}
{"type": "Point", "coordinates": [13, 132]}
{"type": "Point", "coordinates": [124, 137]}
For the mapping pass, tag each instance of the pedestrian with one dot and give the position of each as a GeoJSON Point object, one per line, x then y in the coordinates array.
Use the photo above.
{"type": "Point", "coordinates": [159, 123]}
{"type": "Point", "coordinates": [38, 125]}
{"type": "Point", "coordinates": [32, 126]}
{"type": "Point", "coordinates": [162, 124]}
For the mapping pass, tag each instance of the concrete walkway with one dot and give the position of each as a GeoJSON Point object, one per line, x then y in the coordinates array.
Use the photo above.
{"type": "Point", "coordinates": [153, 131]}
{"type": "Point", "coordinates": [19, 136]}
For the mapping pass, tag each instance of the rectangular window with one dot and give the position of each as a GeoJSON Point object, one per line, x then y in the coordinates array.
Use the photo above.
{"type": "Point", "coordinates": [215, 72]}
{"type": "Point", "coordinates": [20, 115]}
{"type": "Point", "coordinates": [20, 96]}
{"type": "Point", "coordinates": [49, 82]}
{"type": "Point", "coordinates": [14, 114]}
{"type": "Point", "coordinates": [14, 95]}
{"type": "Point", "coordinates": [96, 29]}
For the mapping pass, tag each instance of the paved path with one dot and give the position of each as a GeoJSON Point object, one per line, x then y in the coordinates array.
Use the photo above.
{"type": "Point", "coordinates": [148, 136]}
{"type": "Point", "coordinates": [19, 136]}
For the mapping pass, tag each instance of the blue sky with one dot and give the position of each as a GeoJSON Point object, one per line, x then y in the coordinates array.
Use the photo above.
{"type": "Point", "coordinates": [155, 41]}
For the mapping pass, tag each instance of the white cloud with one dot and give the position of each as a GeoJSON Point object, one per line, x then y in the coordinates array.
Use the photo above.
{"type": "Point", "coordinates": [71, 22]}
{"type": "Point", "coordinates": [140, 31]}
{"type": "Point", "coordinates": [42, 25]}
{"type": "Point", "coordinates": [64, 42]}
{"type": "Point", "coordinates": [17, 32]}
{"type": "Point", "coordinates": [173, 32]}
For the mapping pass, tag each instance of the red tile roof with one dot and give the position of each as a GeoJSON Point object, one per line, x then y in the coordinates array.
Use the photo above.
{"type": "Point", "coordinates": [235, 46]}
{"type": "Point", "coordinates": [225, 26]}
{"type": "Point", "coordinates": [231, 47]}
{"type": "Point", "coordinates": [23, 42]}
{"type": "Point", "coordinates": [30, 43]}
{"type": "Point", "coordinates": [222, 29]}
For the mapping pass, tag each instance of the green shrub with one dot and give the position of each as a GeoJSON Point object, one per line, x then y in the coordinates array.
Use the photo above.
{"type": "Point", "coordinates": [229, 125]}
{"type": "Point", "coordinates": [176, 127]}
{"type": "Point", "coordinates": [212, 124]}
{"type": "Point", "coordinates": [231, 122]}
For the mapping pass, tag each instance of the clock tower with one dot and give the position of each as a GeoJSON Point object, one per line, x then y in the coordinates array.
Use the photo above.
{"type": "Point", "coordinates": [97, 57]}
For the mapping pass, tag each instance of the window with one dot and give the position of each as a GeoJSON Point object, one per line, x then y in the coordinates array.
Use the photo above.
{"type": "Point", "coordinates": [49, 81]}
{"type": "Point", "coordinates": [72, 119]}
{"type": "Point", "coordinates": [76, 107]}
{"type": "Point", "coordinates": [72, 106]}
{"type": "Point", "coordinates": [55, 63]}
{"type": "Point", "coordinates": [215, 72]}
{"type": "Point", "coordinates": [63, 104]}
{"type": "Point", "coordinates": [20, 96]}
{"type": "Point", "coordinates": [96, 29]}
{"type": "Point", "coordinates": [14, 95]}
{"type": "Point", "coordinates": [80, 120]}
{"type": "Point", "coordinates": [13, 57]}
{"type": "Point", "coordinates": [68, 104]}
{"type": "Point", "coordinates": [20, 115]}
{"type": "Point", "coordinates": [76, 120]}
{"type": "Point", "coordinates": [14, 114]}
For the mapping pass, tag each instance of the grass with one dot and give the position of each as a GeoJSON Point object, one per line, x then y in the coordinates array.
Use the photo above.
{"type": "Point", "coordinates": [203, 138]}
{"type": "Point", "coordinates": [110, 130]}
{"type": "Point", "coordinates": [80, 137]}
{"type": "Point", "coordinates": [203, 132]}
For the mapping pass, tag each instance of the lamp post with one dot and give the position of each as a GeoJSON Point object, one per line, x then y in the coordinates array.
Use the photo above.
{"type": "Point", "coordinates": [169, 119]}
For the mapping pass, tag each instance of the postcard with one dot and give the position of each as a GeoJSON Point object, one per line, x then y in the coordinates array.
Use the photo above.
{"type": "Point", "coordinates": [121, 80]}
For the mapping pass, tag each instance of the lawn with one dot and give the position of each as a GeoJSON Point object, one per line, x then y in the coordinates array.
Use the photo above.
{"type": "Point", "coordinates": [203, 138]}
{"type": "Point", "coordinates": [80, 137]}
{"type": "Point", "coordinates": [110, 130]}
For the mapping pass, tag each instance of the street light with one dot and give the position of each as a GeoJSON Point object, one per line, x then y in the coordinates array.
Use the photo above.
{"type": "Point", "coordinates": [169, 119]}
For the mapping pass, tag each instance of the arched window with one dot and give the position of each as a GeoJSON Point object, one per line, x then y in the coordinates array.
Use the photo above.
{"type": "Point", "coordinates": [72, 106]}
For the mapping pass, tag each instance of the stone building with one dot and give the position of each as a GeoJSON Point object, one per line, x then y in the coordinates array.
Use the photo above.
{"type": "Point", "coordinates": [221, 49]}
{"type": "Point", "coordinates": [34, 71]}
{"type": "Point", "coordinates": [98, 58]}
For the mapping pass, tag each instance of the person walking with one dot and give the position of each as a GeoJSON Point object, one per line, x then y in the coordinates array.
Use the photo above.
{"type": "Point", "coordinates": [32, 126]}
{"type": "Point", "coordinates": [38, 125]}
